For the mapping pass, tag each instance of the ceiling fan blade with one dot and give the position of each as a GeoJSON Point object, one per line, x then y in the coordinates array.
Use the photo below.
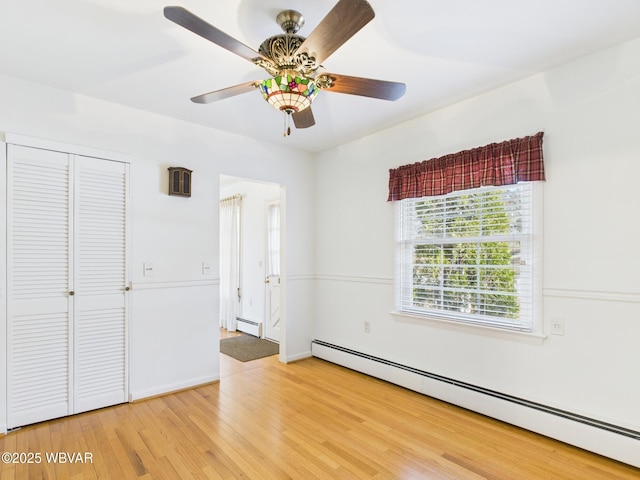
{"type": "Point", "coordinates": [344, 20]}
{"type": "Point", "coordinates": [188, 20]}
{"type": "Point", "coordinates": [225, 92]}
{"type": "Point", "coordinates": [304, 118]}
{"type": "Point", "coordinates": [366, 87]}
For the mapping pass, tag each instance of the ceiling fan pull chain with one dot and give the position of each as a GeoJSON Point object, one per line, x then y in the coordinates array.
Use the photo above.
{"type": "Point", "coordinates": [287, 124]}
{"type": "Point", "coordinates": [284, 124]}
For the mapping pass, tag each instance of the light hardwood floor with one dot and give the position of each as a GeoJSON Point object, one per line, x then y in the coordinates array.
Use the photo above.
{"type": "Point", "coordinates": [305, 420]}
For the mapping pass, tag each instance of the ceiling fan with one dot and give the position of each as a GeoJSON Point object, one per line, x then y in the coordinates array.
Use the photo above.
{"type": "Point", "coordinates": [294, 62]}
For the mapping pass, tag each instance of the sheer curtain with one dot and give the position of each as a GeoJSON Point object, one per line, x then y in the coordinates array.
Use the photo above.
{"type": "Point", "coordinates": [230, 261]}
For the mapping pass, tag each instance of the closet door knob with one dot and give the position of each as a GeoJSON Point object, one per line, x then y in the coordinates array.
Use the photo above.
{"type": "Point", "coordinates": [126, 289]}
{"type": "Point", "coordinates": [72, 293]}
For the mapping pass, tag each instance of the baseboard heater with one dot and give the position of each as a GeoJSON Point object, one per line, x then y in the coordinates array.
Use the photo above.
{"type": "Point", "coordinates": [249, 326]}
{"type": "Point", "coordinates": [324, 346]}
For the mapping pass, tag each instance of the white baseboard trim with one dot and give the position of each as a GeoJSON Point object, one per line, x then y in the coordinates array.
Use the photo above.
{"type": "Point", "coordinates": [171, 388]}
{"type": "Point", "coordinates": [612, 441]}
{"type": "Point", "coordinates": [298, 356]}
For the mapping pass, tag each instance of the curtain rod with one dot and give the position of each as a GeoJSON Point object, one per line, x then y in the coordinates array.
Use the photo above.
{"type": "Point", "coordinates": [232, 197]}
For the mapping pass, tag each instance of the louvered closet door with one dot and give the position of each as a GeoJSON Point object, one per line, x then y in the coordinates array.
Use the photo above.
{"type": "Point", "coordinates": [39, 305]}
{"type": "Point", "coordinates": [67, 279]}
{"type": "Point", "coordinates": [100, 339]}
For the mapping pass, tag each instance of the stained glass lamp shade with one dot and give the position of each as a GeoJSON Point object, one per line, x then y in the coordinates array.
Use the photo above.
{"type": "Point", "coordinates": [288, 92]}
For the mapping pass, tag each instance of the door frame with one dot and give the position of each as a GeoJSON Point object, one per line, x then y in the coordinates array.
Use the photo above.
{"type": "Point", "coordinates": [281, 198]}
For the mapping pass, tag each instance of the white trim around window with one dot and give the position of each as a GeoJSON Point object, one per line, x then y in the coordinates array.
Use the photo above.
{"type": "Point", "coordinates": [416, 298]}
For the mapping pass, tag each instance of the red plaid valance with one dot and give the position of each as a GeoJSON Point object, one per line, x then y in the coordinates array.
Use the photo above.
{"type": "Point", "coordinates": [497, 164]}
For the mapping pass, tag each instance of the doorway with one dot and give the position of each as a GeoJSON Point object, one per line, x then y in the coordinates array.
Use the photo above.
{"type": "Point", "coordinates": [260, 260]}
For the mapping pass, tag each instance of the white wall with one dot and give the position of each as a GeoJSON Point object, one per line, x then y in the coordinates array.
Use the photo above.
{"type": "Point", "coordinates": [590, 113]}
{"type": "Point", "coordinates": [255, 197]}
{"type": "Point", "coordinates": [174, 334]}
{"type": "Point", "coordinates": [295, 173]}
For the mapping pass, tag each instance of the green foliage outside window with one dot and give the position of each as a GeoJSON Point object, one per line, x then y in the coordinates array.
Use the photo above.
{"type": "Point", "coordinates": [461, 263]}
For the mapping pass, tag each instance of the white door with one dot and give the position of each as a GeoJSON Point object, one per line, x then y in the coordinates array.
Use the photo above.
{"type": "Point", "coordinates": [39, 306]}
{"type": "Point", "coordinates": [67, 283]}
{"type": "Point", "coordinates": [101, 283]}
{"type": "Point", "coordinates": [272, 327]}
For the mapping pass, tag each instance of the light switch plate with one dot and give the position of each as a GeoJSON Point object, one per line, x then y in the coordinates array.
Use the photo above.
{"type": "Point", "coordinates": [148, 269]}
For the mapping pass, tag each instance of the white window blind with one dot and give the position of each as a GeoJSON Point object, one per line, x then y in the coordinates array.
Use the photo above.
{"type": "Point", "coordinates": [468, 256]}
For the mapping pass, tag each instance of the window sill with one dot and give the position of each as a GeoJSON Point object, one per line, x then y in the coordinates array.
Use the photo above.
{"type": "Point", "coordinates": [531, 338]}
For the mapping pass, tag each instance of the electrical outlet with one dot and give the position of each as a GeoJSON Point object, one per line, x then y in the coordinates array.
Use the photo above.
{"type": "Point", "coordinates": [367, 327]}
{"type": "Point", "coordinates": [557, 326]}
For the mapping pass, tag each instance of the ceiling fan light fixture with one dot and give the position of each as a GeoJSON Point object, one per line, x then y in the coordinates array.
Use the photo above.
{"type": "Point", "coordinates": [289, 92]}
{"type": "Point", "coordinates": [292, 61]}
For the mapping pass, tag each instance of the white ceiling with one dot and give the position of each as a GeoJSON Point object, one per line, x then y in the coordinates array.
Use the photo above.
{"type": "Point", "coordinates": [125, 51]}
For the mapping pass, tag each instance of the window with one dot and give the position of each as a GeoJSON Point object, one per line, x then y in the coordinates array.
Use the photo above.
{"type": "Point", "coordinates": [273, 239]}
{"type": "Point", "coordinates": [468, 256]}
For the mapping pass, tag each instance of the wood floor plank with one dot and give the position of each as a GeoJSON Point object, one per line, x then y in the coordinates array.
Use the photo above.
{"type": "Point", "coordinates": [305, 420]}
